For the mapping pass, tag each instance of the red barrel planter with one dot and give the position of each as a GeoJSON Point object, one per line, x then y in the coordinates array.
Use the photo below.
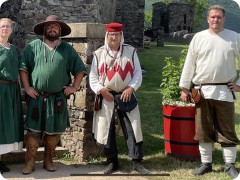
{"type": "Point", "coordinates": [179, 131]}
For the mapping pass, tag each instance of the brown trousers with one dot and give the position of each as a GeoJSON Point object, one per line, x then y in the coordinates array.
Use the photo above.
{"type": "Point", "coordinates": [215, 122]}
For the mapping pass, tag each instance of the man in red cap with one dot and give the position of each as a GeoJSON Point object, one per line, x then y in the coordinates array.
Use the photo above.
{"type": "Point", "coordinates": [45, 70]}
{"type": "Point", "coordinates": [115, 75]}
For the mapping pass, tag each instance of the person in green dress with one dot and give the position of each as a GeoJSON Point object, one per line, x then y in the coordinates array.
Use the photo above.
{"type": "Point", "coordinates": [11, 117]}
{"type": "Point", "coordinates": [46, 70]}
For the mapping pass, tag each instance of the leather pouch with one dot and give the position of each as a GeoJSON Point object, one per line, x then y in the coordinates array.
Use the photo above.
{"type": "Point", "coordinates": [58, 104]}
{"type": "Point", "coordinates": [126, 106]}
{"type": "Point", "coordinates": [196, 95]}
{"type": "Point", "coordinates": [98, 102]}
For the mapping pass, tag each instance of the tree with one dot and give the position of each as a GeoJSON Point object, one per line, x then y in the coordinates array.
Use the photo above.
{"type": "Point", "coordinates": [200, 7]}
{"type": "Point", "coordinates": [148, 18]}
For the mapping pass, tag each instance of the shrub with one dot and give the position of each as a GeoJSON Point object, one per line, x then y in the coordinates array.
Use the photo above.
{"type": "Point", "coordinates": [171, 73]}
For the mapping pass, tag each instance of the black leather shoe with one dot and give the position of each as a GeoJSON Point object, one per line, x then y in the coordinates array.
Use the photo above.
{"type": "Point", "coordinates": [230, 169]}
{"type": "Point", "coordinates": [3, 168]}
{"type": "Point", "coordinates": [137, 166]}
{"type": "Point", "coordinates": [203, 169]}
{"type": "Point", "coordinates": [113, 166]}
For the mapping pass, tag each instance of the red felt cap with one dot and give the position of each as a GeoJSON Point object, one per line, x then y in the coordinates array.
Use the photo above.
{"type": "Point", "coordinates": [114, 27]}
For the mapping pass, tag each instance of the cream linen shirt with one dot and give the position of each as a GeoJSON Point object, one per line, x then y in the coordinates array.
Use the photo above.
{"type": "Point", "coordinates": [212, 58]}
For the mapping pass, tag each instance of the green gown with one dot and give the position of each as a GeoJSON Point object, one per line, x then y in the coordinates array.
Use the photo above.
{"type": "Point", "coordinates": [11, 117]}
{"type": "Point", "coordinates": [49, 71]}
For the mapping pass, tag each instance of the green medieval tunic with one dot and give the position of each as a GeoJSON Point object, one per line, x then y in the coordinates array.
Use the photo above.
{"type": "Point", "coordinates": [11, 119]}
{"type": "Point", "coordinates": [49, 71]}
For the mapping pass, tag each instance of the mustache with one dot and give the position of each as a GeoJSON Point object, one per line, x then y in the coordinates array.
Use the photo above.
{"type": "Point", "coordinates": [52, 31]}
{"type": "Point", "coordinates": [52, 36]}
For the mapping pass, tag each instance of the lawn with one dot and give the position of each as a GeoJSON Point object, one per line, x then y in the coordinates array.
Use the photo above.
{"type": "Point", "coordinates": [152, 60]}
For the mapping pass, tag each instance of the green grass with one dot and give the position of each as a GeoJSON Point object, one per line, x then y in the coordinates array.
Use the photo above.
{"type": "Point", "coordinates": [150, 102]}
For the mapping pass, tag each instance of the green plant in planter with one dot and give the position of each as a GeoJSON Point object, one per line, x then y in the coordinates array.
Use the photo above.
{"type": "Point", "coordinates": [181, 132]}
{"type": "Point", "coordinates": [171, 73]}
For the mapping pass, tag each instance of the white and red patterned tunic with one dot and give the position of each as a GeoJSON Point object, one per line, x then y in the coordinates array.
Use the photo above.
{"type": "Point", "coordinates": [115, 74]}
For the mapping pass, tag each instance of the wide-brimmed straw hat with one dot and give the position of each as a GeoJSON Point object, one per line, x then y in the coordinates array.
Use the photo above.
{"type": "Point", "coordinates": [39, 28]}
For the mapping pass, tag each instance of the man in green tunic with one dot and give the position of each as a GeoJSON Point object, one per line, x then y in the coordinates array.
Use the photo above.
{"type": "Point", "coordinates": [46, 68]}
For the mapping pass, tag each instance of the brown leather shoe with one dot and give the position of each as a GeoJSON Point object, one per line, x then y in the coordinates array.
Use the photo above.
{"type": "Point", "coordinates": [51, 142]}
{"type": "Point", "coordinates": [32, 145]}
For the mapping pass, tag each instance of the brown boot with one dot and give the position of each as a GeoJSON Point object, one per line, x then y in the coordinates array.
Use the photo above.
{"type": "Point", "coordinates": [32, 145]}
{"type": "Point", "coordinates": [51, 142]}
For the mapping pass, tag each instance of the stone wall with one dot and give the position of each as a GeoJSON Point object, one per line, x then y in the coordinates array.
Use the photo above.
{"type": "Point", "coordinates": [181, 17]}
{"type": "Point", "coordinates": [130, 13]}
{"type": "Point", "coordinates": [26, 13]}
{"type": "Point", "coordinates": [160, 17]}
{"type": "Point", "coordinates": [172, 17]}
{"type": "Point", "coordinates": [85, 38]}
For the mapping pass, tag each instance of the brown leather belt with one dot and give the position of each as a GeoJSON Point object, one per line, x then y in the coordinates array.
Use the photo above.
{"type": "Point", "coordinates": [7, 81]}
{"type": "Point", "coordinates": [215, 84]}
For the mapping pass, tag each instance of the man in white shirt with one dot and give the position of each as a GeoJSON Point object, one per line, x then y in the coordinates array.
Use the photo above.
{"type": "Point", "coordinates": [210, 65]}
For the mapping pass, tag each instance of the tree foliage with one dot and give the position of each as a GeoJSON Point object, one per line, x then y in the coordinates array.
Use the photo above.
{"type": "Point", "coordinates": [200, 6]}
{"type": "Point", "coordinates": [148, 18]}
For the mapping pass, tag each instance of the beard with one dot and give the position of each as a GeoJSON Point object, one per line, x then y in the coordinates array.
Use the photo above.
{"type": "Point", "coordinates": [52, 35]}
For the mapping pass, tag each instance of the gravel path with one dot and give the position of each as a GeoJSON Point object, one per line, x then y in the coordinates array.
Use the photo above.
{"type": "Point", "coordinates": [65, 171]}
